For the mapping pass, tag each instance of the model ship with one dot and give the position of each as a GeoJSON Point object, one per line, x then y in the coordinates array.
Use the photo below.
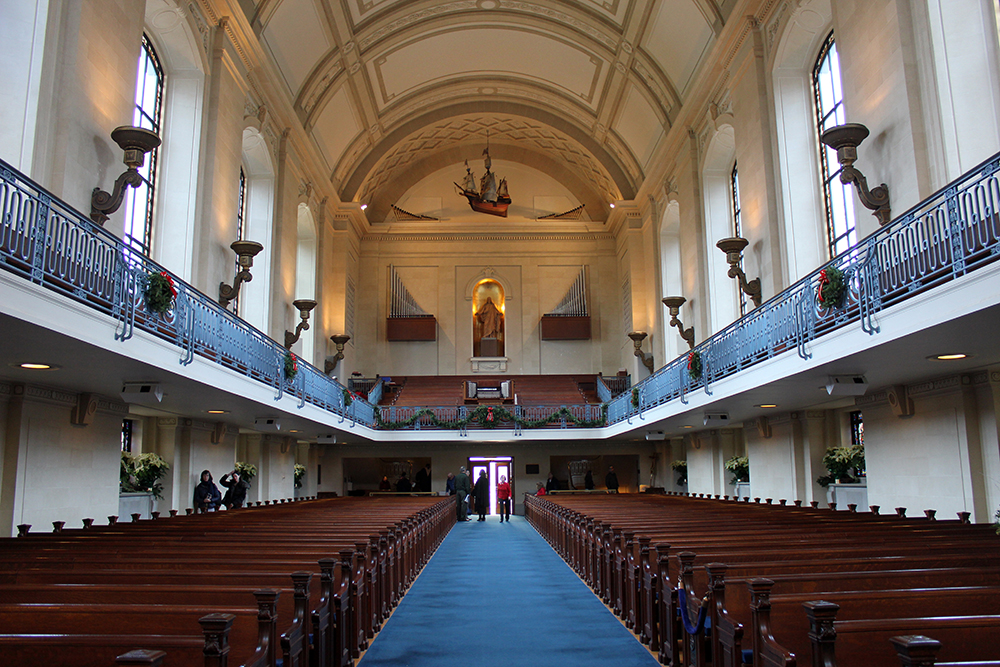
{"type": "Point", "coordinates": [491, 196]}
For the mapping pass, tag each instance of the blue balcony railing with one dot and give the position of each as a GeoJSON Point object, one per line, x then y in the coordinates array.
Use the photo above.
{"type": "Point", "coordinates": [948, 235]}
{"type": "Point", "coordinates": [53, 245]}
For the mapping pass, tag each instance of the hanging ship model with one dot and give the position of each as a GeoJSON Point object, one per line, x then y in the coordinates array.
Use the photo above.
{"type": "Point", "coordinates": [491, 196]}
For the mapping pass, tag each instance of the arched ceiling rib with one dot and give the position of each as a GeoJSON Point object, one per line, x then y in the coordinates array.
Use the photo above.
{"type": "Point", "coordinates": [381, 84]}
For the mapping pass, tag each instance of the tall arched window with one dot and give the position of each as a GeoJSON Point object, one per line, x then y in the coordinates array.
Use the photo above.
{"type": "Point", "coordinates": [829, 95]}
{"type": "Point", "coordinates": [734, 189]}
{"type": "Point", "coordinates": [148, 105]}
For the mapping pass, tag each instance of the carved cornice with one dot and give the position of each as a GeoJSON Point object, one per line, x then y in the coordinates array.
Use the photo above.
{"type": "Point", "coordinates": [497, 236]}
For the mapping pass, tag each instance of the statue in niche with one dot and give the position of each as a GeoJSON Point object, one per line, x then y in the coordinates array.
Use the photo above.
{"type": "Point", "coordinates": [491, 318]}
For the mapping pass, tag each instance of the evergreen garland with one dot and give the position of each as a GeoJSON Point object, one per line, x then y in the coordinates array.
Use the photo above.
{"type": "Point", "coordinates": [291, 366]}
{"type": "Point", "coordinates": [832, 288]}
{"type": "Point", "coordinates": [490, 417]}
{"type": "Point", "coordinates": [694, 365]}
{"type": "Point", "coordinates": [159, 293]}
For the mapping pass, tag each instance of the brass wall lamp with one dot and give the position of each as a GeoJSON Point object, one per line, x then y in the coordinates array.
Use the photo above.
{"type": "Point", "coordinates": [733, 247]}
{"type": "Point", "coordinates": [339, 340]}
{"type": "Point", "coordinates": [845, 139]}
{"type": "Point", "coordinates": [245, 252]}
{"type": "Point", "coordinates": [637, 338]}
{"type": "Point", "coordinates": [304, 306]}
{"type": "Point", "coordinates": [674, 303]}
{"type": "Point", "coordinates": [136, 142]}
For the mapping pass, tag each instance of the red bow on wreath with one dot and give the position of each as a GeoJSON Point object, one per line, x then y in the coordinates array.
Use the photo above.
{"type": "Point", "coordinates": [823, 282]}
{"type": "Point", "coordinates": [489, 414]}
{"type": "Point", "coordinates": [170, 282]}
{"type": "Point", "coordinates": [295, 365]}
{"type": "Point", "coordinates": [690, 359]}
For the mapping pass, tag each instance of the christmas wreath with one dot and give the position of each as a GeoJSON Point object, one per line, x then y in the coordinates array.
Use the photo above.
{"type": "Point", "coordinates": [291, 366]}
{"type": "Point", "coordinates": [635, 397]}
{"type": "Point", "coordinates": [160, 292]}
{"type": "Point", "coordinates": [831, 288]}
{"type": "Point", "coordinates": [694, 364]}
{"type": "Point", "coordinates": [348, 398]}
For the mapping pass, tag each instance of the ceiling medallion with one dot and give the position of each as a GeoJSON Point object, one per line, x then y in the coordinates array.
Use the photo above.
{"type": "Point", "coordinates": [488, 4]}
{"type": "Point", "coordinates": [490, 197]}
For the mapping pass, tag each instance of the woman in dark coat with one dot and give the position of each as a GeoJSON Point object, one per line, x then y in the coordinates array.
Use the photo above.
{"type": "Point", "coordinates": [482, 494]}
{"type": "Point", "coordinates": [236, 490]}
{"type": "Point", "coordinates": [206, 494]}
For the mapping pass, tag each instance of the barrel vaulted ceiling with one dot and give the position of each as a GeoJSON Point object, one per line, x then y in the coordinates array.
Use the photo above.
{"type": "Point", "coordinates": [392, 90]}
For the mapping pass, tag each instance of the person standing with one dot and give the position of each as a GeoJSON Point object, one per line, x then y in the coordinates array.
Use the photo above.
{"type": "Point", "coordinates": [463, 487]}
{"type": "Point", "coordinates": [422, 481]}
{"type": "Point", "coordinates": [588, 481]}
{"type": "Point", "coordinates": [611, 480]}
{"type": "Point", "coordinates": [449, 484]}
{"type": "Point", "coordinates": [503, 495]}
{"type": "Point", "coordinates": [236, 490]}
{"type": "Point", "coordinates": [551, 484]}
{"type": "Point", "coordinates": [482, 495]}
{"type": "Point", "coordinates": [206, 494]}
{"type": "Point", "coordinates": [403, 485]}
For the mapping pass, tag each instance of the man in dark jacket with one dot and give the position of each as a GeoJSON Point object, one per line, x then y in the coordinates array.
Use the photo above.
{"type": "Point", "coordinates": [482, 495]}
{"type": "Point", "coordinates": [611, 480]}
{"type": "Point", "coordinates": [206, 494]}
{"type": "Point", "coordinates": [236, 490]}
{"type": "Point", "coordinates": [422, 481]}
{"type": "Point", "coordinates": [463, 487]}
{"type": "Point", "coordinates": [403, 485]}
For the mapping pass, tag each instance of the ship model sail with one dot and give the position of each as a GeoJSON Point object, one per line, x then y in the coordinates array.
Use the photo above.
{"type": "Point", "coordinates": [491, 195]}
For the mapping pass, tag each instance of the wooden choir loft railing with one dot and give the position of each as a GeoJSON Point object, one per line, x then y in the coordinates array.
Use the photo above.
{"type": "Point", "coordinates": [721, 583]}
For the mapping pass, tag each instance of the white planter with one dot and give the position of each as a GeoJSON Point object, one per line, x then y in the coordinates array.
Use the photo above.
{"type": "Point", "coordinates": [848, 494]}
{"type": "Point", "coordinates": [130, 503]}
{"type": "Point", "coordinates": [742, 490]}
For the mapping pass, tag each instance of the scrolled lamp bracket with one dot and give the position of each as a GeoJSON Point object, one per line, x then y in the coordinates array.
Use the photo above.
{"type": "Point", "coordinates": [845, 139]}
{"type": "Point", "coordinates": [245, 252]}
{"type": "Point", "coordinates": [674, 303]}
{"type": "Point", "coordinates": [646, 359]}
{"type": "Point", "coordinates": [733, 247]}
{"type": "Point", "coordinates": [136, 142]}
{"type": "Point", "coordinates": [339, 340]}
{"type": "Point", "coordinates": [304, 307]}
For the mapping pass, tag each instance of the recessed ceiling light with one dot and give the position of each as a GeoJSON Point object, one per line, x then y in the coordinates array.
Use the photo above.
{"type": "Point", "coordinates": [37, 366]}
{"type": "Point", "coordinates": [952, 356]}
{"type": "Point", "coordinates": [218, 412]}
{"type": "Point", "coordinates": [612, 204]}
{"type": "Point", "coordinates": [294, 431]}
{"type": "Point", "coordinates": [364, 207]}
{"type": "Point", "coordinates": [687, 426]}
{"type": "Point", "coordinates": [767, 405]}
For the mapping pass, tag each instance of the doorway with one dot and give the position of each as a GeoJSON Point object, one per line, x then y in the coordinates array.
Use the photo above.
{"type": "Point", "coordinates": [495, 467]}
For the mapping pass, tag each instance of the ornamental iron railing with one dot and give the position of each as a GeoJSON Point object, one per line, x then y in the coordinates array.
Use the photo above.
{"type": "Point", "coordinates": [52, 245]}
{"type": "Point", "coordinates": [946, 236]}
{"type": "Point", "coordinates": [462, 418]}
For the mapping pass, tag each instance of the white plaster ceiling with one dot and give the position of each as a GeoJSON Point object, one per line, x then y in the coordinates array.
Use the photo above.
{"type": "Point", "coordinates": [387, 87]}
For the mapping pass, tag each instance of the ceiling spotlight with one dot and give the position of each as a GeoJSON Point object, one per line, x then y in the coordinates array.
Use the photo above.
{"type": "Point", "coordinates": [34, 366]}
{"type": "Point", "coordinates": [948, 357]}
{"type": "Point", "coordinates": [364, 207]}
{"type": "Point", "coordinates": [217, 412]}
{"type": "Point", "coordinates": [767, 405]}
{"type": "Point", "coordinates": [612, 204]}
{"type": "Point", "coordinates": [687, 426]}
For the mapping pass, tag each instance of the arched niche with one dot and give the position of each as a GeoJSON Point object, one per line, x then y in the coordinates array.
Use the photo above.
{"type": "Point", "coordinates": [720, 155]}
{"type": "Point", "coordinates": [305, 275]}
{"type": "Point", "coordinates": [489, 305]}
{"type": "Point", "coordinates": [255, 306]}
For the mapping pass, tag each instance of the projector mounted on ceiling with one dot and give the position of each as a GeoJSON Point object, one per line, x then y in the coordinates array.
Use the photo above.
{"type": "Point", "coordinates": [716, 419]}
{"type": "Point", "coordinates": [846, 385]}
{"type": "Point", "coordinates": [267, 424]}
{"type": "Point", "coordinates": [655, 435]}
{"type": "Point", "coordinates": [143, 393]}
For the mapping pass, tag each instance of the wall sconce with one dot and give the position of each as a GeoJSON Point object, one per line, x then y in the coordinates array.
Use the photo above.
{"type": "Point", "coordinates": [245, 252]}
{"type": "Point", "coordinates": [733, 247]}
{"type": "Point", "coordinates": [340, 340]}
{"type": "Point", "coordinates": [845, 139]}
{"type": "Point", "coordinates": [674, 303]}
{"type": "Point", "coordinates": [136, 142]}
{"type": "Point", "coordinates": [637, 338]}
{"type": "Point", "coordinates": [304, 306]}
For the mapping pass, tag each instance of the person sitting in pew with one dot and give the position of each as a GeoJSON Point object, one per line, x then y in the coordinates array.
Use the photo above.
{"type": "Point", "coordinates": [385, 484]}
{"type": "Point", "coordinates": [541, 489]}
{"type": "Point", "coordinates": [403, 485]}
{"type": "Point", "coordinates": [236, 490]}
{"type": "Point", "coordinates": [206, 494]}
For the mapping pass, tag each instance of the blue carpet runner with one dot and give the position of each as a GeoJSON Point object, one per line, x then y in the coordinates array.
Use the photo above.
{"type": "Point", "coordinates": [497, 595]}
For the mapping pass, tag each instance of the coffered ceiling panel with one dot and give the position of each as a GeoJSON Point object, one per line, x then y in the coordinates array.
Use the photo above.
{"type": "Point", "coordinates": [678, 40]}
{"type": "Point", "coordinates": [361, 10]}
{"type": "Point", "coordinates": [488, 54]}
{"type": "Point", "coordinates": [639, 126]}
{"type": "Point", "coordinates": [336, 127]}
{"type": "Point", "coordinates": [297, 40]}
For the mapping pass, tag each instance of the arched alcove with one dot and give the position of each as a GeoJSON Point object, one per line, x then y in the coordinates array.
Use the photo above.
{"type": "Point", "coordinates": [671, 271]}
{"type": "Point", "coordinates": [255, 304]}
{"type": "Point", "coordinates": [720, 155]}
{"type": "Point", "coordinates": [489, 305]}
{"type": "Point", "coordinates": [305, 276]}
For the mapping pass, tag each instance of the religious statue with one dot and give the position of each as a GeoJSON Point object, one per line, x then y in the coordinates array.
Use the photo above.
{"type": "Point", "coordinates": [491, 318]}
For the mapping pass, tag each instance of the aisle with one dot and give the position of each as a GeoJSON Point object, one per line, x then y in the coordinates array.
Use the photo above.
{"type": "Point", "coordinates": [498, 595]}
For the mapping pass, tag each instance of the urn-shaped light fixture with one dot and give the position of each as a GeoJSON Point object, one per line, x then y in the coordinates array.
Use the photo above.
{"type": "Point", "coordinates": [674, 303]}
{"type": "Point", "coordinates": [245, 252]}
{"type": "Point", "coordinates": [304, 307]}
{"type": "Point", "coordinates": [733, 247]}
{"type": "Point", "coordinates": [339, 341]}
{"type": "Point", "coordinates": [637, 338]}
{"type": "Point", "coordinates": [845, 139]}
{"type": "Point", "coordinates": [136, 142]}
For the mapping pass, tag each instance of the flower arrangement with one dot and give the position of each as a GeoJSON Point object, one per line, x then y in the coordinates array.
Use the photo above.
{"type": "Point", "coordinates": [247, 471]}
{"type": "Point", "coordinates": [635, 397]}
{"type": "Point", "coordinates": [291, 366]}
{"type": "Point", "coordinates": [694, 364]}
{"type": "Point", "coordinates": [159, 292]}
{"type": "Point", "coordinates": [832, 288]}
{"type": "Point", "coordinates": [681, 468]}
{"type": "Point", "coordinates": [300, 472]}
{"type": "Point", "coordinates": [740, 467]}
{"type": "Point", "coordinates": [845, 464]}
{"type": "Point", "coordinates": [142, 474]}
